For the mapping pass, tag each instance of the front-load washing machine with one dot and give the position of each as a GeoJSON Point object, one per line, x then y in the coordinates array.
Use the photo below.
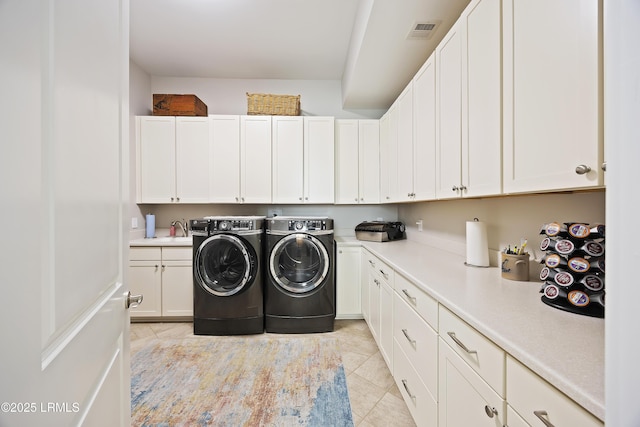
{"type": "Point", "coordinates": [228, 296]}
{"type": "Point", "coordinates": [300, 284]}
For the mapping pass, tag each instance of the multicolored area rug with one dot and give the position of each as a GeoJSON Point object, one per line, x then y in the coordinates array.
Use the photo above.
{"type": "Point", "coordinates": [240, 381]}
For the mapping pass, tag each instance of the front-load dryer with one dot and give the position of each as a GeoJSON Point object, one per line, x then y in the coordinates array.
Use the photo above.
{"type": "Point", "coordinates": [300, 285]}
{"type": "Point", "coordinates": [228, 296]}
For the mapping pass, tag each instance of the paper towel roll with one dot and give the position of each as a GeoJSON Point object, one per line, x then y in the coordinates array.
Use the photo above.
{"type": "Point", "coordinates": [151, 226]}
{"type": "Point", "coordinates": [477, 244]}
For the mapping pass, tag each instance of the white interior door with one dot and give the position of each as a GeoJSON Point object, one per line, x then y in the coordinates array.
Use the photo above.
{"type": "Point", "coordinates": [64, 127]}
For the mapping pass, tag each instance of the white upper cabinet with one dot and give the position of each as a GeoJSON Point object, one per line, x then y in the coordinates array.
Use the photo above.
{"type": "Point", "coordinates": [405, 157]}
{"type": "Point", "coordinates": [225, 158]}
{"type": "Point", "coordinates": [481, 99]}
{"type": "Point", "coordinates": [287, 161]}
{"type": "Point", "coordinates": [319, 158]}
{"type": "Point", "coordinates": [303, 156]}
{"type": "Point", "coordinates": [469, 104]}
{"type": "Point", "coordinates": [553, 135]}
{"type": "Point", "coordinates": [424, 131]}
{"type": "Point", "coordinates": [255, 155]}
{"type": "Point", "coordinates": [172, 159]}
{"type": "Point", "coordinates": [357, 161]}
{"type": "Point", "coordinates": [449, 114]}
{"type": "Point", "coordinates": [385, 164]}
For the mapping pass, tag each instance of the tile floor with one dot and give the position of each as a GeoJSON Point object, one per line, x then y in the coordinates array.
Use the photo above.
{"type": "Point", "coordinates": [375, 399]}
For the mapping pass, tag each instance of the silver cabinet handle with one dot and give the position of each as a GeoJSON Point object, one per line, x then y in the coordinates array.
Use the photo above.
{"type": "Point", "coordinates": [582, 169]}
{"type": "Point", "coordinates": [386, 276]}
{"type": "Point", "coordinates": [463, 188]}
{"type": "Point", "coordinates": [604, 166]}
{"type": "Point", "coordinates": [376, 282]}
{"type": "Point", "coordinates": [356, 199]}
{"type": "Point", "coordinates": [491, 412]}
{"type": "Point", "coordinates": [237, 200]}
{"type": "Point", "coordinates": [133, 300]}
{"type": "Point", "coordinates": [406, 335]}
{"type": "Point", "coordinates": [413, 299]}
{"type": "Point", "coordinates": [406, 387]}
{"type": "Point", "coordinates": [242, 199]}
{"type": "Point", "coordinates": [300, 198]}
{"type": "Point", "coordinates": [373, 264]}
{"type": "Point", "coordinates": [454, 188]}
{"type": "Point", "coordinates": [460, 343]}
{"type": "Point", "coordinates": [541, 415]}
{"type": "Point", "coordinates": [178, 199]}
{"type": "Point", "coordinates": [172, 200]}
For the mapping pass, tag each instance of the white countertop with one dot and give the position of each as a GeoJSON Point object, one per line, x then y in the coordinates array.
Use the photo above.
{"type": "Point", "coordinates": [564, 348]}
{"type": "Point", "coordinates": [162, 241]}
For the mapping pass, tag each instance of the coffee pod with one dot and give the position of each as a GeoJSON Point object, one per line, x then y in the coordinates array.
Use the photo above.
{"type": "Point", "coordinates": [561, 246]}
{"type": "Point", "coordinates": [562, 278]}
{"type": "Point", "coordinates": [554, 229]}
{"type": "Point", "coordinates": [590, 248]}
{"type": "Point", "coordinates": [592, 282]}
{"type": "Point", "coordinates": [552, 291]}
{"type": "Point", "coordinates": [553, 260]}
{"type": "Point", "coordinates": [581, 265]}
{"type": "Point", "coordinates": [583, 231]}
{"type": "Point", "coordinates": [578, 298]}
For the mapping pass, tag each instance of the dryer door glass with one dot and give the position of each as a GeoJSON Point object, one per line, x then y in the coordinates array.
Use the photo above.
{"type": "Point", "coordinates": [224, 265]}
{"type": "Point", "coordinates": [299, 263]}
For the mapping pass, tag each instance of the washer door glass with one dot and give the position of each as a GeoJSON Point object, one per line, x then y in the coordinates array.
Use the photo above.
{"type": "Point", "coordinates": [299, 263]}
{"type": "Point", "coordinates": [224, 265]}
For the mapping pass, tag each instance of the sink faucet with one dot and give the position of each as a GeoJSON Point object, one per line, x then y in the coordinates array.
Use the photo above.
{"type": "Point", "coordinates": [183, 227]}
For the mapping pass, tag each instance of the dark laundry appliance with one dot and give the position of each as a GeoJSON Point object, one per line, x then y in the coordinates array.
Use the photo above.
{"type": "Point", "coordinates": [299, 277]}
{"type": "Point", "coordinates": [228, 287]}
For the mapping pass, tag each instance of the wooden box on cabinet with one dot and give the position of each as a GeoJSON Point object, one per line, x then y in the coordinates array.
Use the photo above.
{"type": "Point", "coordinates": [178, 105]}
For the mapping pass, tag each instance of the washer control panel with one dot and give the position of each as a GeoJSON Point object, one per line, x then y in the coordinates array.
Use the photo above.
{"type": "Point", "coordinates": [307, 225]}
{"type": "Point", "coordinates": [231, 225]}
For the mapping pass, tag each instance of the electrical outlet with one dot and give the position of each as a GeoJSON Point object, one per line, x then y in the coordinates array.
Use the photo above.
{"type": "Point", "coordinates": [134, 222]}
{"type": "Point", "coordinates": [419, 224]}
{"type": "Point", "coordinates": [274, 212]}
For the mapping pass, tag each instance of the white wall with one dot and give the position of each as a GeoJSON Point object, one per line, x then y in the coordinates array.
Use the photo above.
{"type": "Point", "coordinates": [229, 96]}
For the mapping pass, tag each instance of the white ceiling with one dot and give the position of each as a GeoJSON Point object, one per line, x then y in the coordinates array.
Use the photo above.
{"type": "Point", "coordinates": [361, 42]}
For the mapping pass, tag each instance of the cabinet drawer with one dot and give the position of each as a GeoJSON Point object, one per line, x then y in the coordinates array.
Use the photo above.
{"type": "Point", "coordinates": [426, 306]}
{"type": "Point", "coordinates": [422, 406]}
{"type": "Point", "coordinates": [380, 268]}
{"type": "Point", "coordinates": [177, 253]}
{"type": "Point", "coordinates": [418, 341]}
{"type": "Point", "coordinates": [533, 398]}
{"type": "Point", "coordinates": [144, 253]}
{"type": "Point", "coordinates": [484, 357]}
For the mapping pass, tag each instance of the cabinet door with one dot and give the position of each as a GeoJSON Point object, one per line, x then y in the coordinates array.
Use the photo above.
{"type": "Point", "coordinates": [482, 98]}
{"type": "Point", "coordinates": [347, 161]}
{"type": "Point", "coordinates": [192, 160]}
{"type": "Point", "coordinates": [364, 285]}
{"type": "Point", "coordinates": [145, 278]}
{"type": "Point", "coordinates": [386, 195]}
{"type": "Point", "coordinates": [287, 136]}
{"type": "Point", "coordinates": [255, 159]}
{"type": "Point", "coordinates": [374, 306]}
{"type": "Point", "coordinates": [369, 160]}
{"type": "Point", "coordinates": [225, 158]}
{"type": "Point", "coordinates": [424, 128]}
{"type": "Point", "coordinates": [156, 159]}
{"type": "Point", "coordinates": [348, 283]}
{"type": "Point", "coordinates": [386, 324]}
{"type": "Point", "coordinates": [552, 94]}
{"type": "Point", "coordinates": [405, 156]}
{"type": "Point", "coordinates": [319, 158]}
{"type": "Point", "coordinates": [177, 288]}
{"type": "Point", "coordinates": [449, 115]}
{"type": "Point", "coordinates": [464, 398]}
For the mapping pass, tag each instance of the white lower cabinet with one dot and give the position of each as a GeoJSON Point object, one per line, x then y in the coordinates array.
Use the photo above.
{"type": "Point", "coordinates": [541, 404]}
{"type": "Point", "coordinates": [515, 420]}
{"type": "Point", "coordinates": [348, 294]}
{"type": "Point", "coordinates": [422, 405]}
{"type": "Point", "coordinates": [164, 276]}
{"type": "Point", "coordinates": [464, 398]}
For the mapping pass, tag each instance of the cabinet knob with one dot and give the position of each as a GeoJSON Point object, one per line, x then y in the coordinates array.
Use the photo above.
{"type": "Point", "coordinates": [356, 199]}
{"type": "Point", "coordinates": [237, 200]}
{"type": "Point", "coordinates": [582, 169]}
{"type": "Point", "coordinates": [604, 166]}
{"type": "Point", "coordinates": [306, 198]}
{"type": "Point", "coordinates": [172, 200]}
{"type": "Point", "coordinates": [454, 188]}
{"type": "Point", "coordinates": [178, 199]}
{"type": "Point", "coordinates": [300, 198]}
{"type": "Point", "coordinates": [463, 188]}
{"type": "Point", "coordinates": [490, 411]}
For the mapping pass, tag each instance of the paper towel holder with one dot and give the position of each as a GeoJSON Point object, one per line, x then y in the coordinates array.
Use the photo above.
{"type": "Point", "coordinates": [475, 265]}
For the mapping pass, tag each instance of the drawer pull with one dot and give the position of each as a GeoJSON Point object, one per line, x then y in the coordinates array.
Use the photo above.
{"type": "Point", "coordinates": [406, 335]}
{"type": "Point", "coordinates": [413, 299]}
{"type": "Point", "coordinates": [541, 415]}
{"type": "Point", "coordinates": [376, 282]}
{"type": "Point", "coordinates": [490, 411]}
{"type": "Point", "coordinates": [460, 343]}
{"type": "Point", "coordinates": [412, 396]}
{"type": "Point", "coordinates": [373, 264]}
{"type": "Point", "coordinates": [386, 276]}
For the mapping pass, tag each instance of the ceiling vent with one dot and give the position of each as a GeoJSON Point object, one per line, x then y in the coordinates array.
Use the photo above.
{"type": "Point", "coordinates": [423, 30]}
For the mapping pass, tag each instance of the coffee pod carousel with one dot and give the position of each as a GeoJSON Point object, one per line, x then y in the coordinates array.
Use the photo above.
{"type": "Point", "coordinates": [574, 267]}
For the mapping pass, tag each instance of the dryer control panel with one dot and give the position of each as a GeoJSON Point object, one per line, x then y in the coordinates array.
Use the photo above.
{"type": "Point", "coordinates": [307, 225]}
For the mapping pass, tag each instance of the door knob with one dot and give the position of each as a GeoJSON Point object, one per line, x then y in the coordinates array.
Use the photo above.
{"type": "Point", "coordinates": [582, 169]}
{"type": "Point", "coordinates": [133, 300]}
